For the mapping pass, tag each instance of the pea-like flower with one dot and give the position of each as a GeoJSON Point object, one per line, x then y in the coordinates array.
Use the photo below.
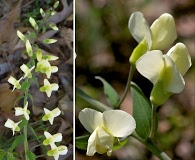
{"type": "Point", "coordinates": [44, 66]}
{"type": "Point", "coordinates": [105, 127]}
{"type": "Point", "coordinates": [50, 115]}
{"type": "Point", "coordinates": [11, 124]}
{"type": "Point", "coordinates": [159, 36]}
{"type": "Point", "coordinates": [22, 111]}
{"type": "Point", "coordinates": [48, 88]}
{"type": "Point", "coordinates": [29, 49]}
{"type": "Point", "coordinates": [51, 139]}
{"type": "Point", "coordinates": [27, 71]}
{"type": "Point", "coordinates": [15, 82]}
{"type": "Point", "coordinates": [165, 71]}
{"type": "Point", "coordinates": [57, 151]}
{"type": "Point", "coordinates": [48, 57]}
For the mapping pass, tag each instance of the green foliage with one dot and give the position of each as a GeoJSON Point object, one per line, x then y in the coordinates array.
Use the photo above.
{"type": "Point", "coordinates": [16, 142]}
{"type": "Point", "coordinates": [23, 123]}
{"type": "Point", "coordinates": [94, 103]}
{"type": "Point", "coordinates": [111, 94]}
{"type": "Point", "coordinates": [82, 142]}
{"type": "Point", "coordinates": [2, 154]}
{"type": "Point", "coordinates": [141, 111]}
{"type": "Point", "coordinates": [31, 155]}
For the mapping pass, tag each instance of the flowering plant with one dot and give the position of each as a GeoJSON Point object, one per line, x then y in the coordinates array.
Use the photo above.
{"type": "Point", "coordinates": [38, 63]}
{"type": "Point", "coordinates": [109, 126]}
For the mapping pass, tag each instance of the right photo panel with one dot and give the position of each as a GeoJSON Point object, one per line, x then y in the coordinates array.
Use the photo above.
{"type": "Point", "coordinates": [134, 80]}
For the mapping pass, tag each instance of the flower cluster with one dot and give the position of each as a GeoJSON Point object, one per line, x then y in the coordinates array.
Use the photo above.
{"type": "Point", "coordinates": [164, 71]}
{"type": "Point", "coordinates": [38, 62]}
{"type": "Point", "coordinates": [55, 151]}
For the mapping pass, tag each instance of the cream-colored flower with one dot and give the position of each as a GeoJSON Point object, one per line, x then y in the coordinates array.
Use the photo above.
{"type": "Point", "coordinates": [15, 82]}
{"type": "Point", "coordinates": [104, 128]}
{"type": "Point", "coordinates": [11, 124]}
{"type": "Point", "coordinates": [22, 111]}
{"type": "Point", "coordinates": [48, 88]}
{"type": "Point", "coordinates": [27, 71]}
{"type": "Point", "coordinates": [51, 139]}
{"type": "Point", "coordinates": [57, 151]}
{"type": "Point", "coordinates": [165, 71]}
{"type": "Point", "coordinates": [50, 115]}
{"type": "Point", "coordinates": [44, 66]}
{"type": "Point", "coordinates": [159, 36]}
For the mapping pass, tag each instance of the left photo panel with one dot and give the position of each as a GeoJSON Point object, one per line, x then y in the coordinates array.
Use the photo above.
{"type": "Point", "coordinates": [36, 80]}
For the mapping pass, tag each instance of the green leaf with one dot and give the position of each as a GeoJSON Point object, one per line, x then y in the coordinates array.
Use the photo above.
{"type": "Point", "coordinates": [96, 104]}
{"type": "Point", "coordinates": [49, 41]}
{"type": "Point", "coordinates": [33, 23]}
{"type": "Point", "coordinates": [31, 155]}
{"type": "Point", "coordinates": [10, 156]}
{"type": "Point", "coordinates": [110, 92]}
{"type": "Point", "coordinates": [32, 35]}
{"type": "Point", "coordinates": [16, 142]}
{"type": "Point", "coordinates": [43, 29]}
{"type": "Point", "coordinates": [25, 85]}
{"type": "Point", "coordinates": [23, 123]}
{"type": "Point", "coordinates": [17, 99]}
{"type": "Point", "coordinates": [142, 111]}
{"type": "Point", "coordinates": [33, 132]}
{"type": "Point", "coordinates": [82, 142]}
{"type": "Point", "coordinates": [2, 154]}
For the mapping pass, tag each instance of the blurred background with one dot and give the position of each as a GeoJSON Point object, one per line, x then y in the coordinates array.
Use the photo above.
{"type": "Point", "coordinates": [104, 45]}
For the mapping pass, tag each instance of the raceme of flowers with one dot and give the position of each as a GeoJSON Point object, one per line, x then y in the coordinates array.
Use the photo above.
{"type": "Point", "coordinates": [43, 66]}
{"type": "Point", "coordinates": [164, 71]}
{"type": "Point", "coordinates": [104, 128]}
{"type": "Point", "coordinates": [159, 36]}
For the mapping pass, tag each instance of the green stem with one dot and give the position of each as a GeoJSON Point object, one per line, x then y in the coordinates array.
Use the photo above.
{"type": "Point", "coordinates": [130, 76]}
{"type": "Point", "coordinates": [152, 147]}
{"type": "Point", "coordinates": [25, 142]}
{"type": "Point", "coordinates": [25, 127]}
{"type": "Point", "coordinates": [153, 122]}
